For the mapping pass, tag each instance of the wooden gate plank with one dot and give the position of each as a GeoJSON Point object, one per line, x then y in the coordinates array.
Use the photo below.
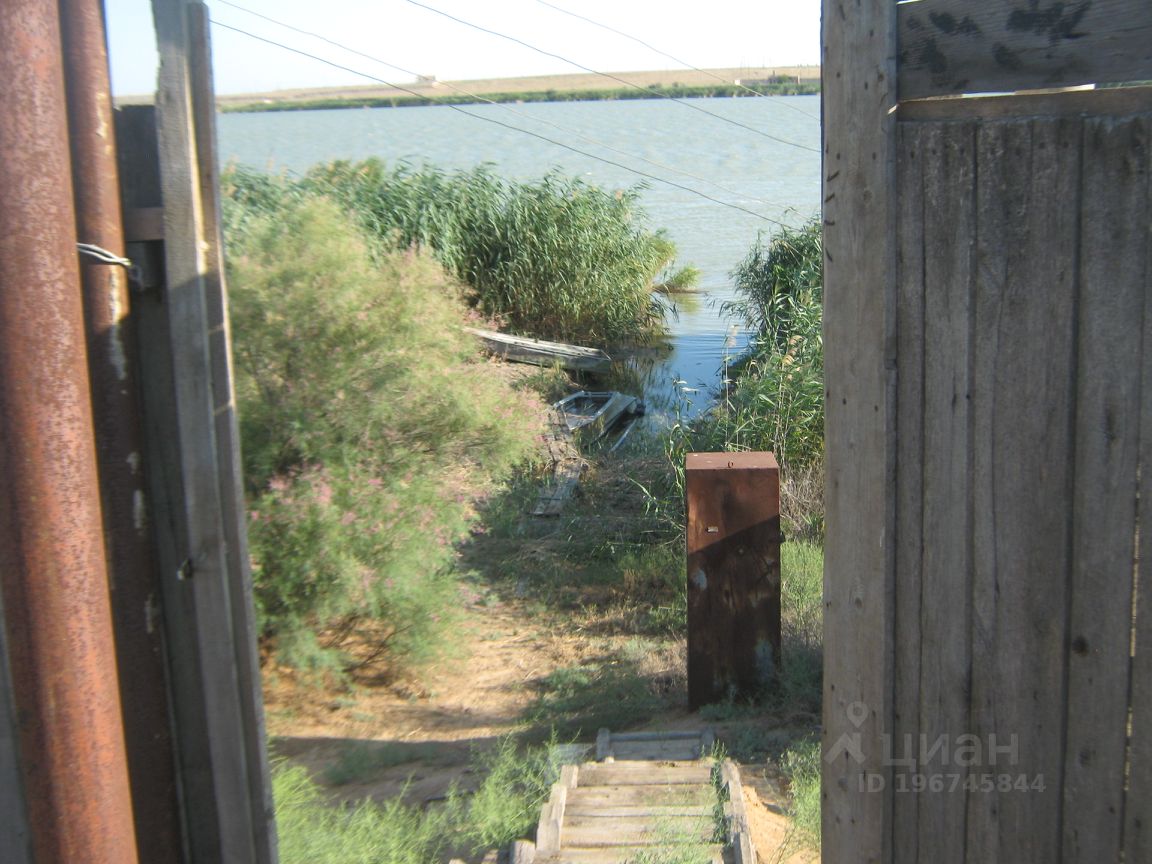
{"type": "Point", "coordinates": [912, 156]}
{"type": "Point", "coordinates": [949, 47]}
{"type": "Point", "coordinates": [1028, 185]}
{"type": "Point", "coordinates": [1138, 797]}
{"type": "Point", "coordinates": [945, 618]}
{"type": "Point", "coordinates": [1113, 263]}
{"type": "Point", "coordinates": [859, 73]}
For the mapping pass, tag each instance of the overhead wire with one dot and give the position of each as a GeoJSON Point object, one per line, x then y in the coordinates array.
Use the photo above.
{"type": "Point", "coordinates": [672, 57]}
{"type": "Point", "coordinates": [612, 77]}
{"type": "Point", "coordinates": [464, 92]}
{"type": "Point", "coordinates": [460, 110]}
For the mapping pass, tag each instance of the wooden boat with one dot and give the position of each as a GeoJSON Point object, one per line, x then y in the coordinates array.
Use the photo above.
{"type": "Point", "coordinates": [539, 352]}
{"type": "Point", "coordinates": [583, 417]}
{"type": "Point", "coordinates": [590, 414]}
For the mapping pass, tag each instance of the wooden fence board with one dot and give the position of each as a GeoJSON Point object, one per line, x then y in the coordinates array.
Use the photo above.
{"type": "Point", "coordinates": [1114, 222]}
{"type": "Point", "coordinates": [949, 47]}
{"type": "Point", "coordinates": [944, 633]}
{"type": "Point", "coordinates": [859, 73]}
{"type": "Point", "coordinates": [1025, 298]}
{"type": "Point", "coordinates": [231, 473]}
{"type": "Point", "coordinates": [1138, 795]}
{"type": "Point", "coordinates": [912, 156]}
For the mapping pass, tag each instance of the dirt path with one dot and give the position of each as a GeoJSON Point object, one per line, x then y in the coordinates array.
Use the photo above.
{"type": "Point", "coordinates": [384, 741]}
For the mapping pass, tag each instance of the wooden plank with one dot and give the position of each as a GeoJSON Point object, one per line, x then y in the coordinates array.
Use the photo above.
{"type": "Point", "coordinates": [539, 352]}
{"type": "Point", "coordinates": [1113, 273]}
{"type": "Point", "coordinates": [140, 173]}
{"type": "Point", "coordinates": [681, 751]}
{"type": "Point", "coordinates": [603, 744]}
{"type": "Point", "coordinates": [655, 736]}
{"type": "Point", "coordinates": [1138, 795]}
{"type": "Point", "coordinates": [1071, 103]}
{"type": "Point", "coordinates": [547, 832]}
{"type": "Point", "coordinates": [912, 159]}
{"type": "Point", "coordinates": [222, 796]}
{"type": "Point", "coordinates": [955, 46]}
{"type": "Point", "coordinates": [944, 632]}
{"type": "Point", "coordinates": [641, 795]}
{"type": "Point", "coordinates": [522, 852]}
{"type": "Point", "coordinates": [230, 468]}
{"type": "Point", "coordinates": [621, 854]}
{"type": "Point", "coordinates": [637, 811]}
{"type": "Point", "coordinates": [859, 74]}
{"type": "Point", "coordinates": [620, 832]}
{"type": "Point", "coordinates": [733, 546]}
{"type": "Point", "coordinates": [643, 774]}
{"type": "Point", "coordinates": [668, 825]}
{"type": "Point", "coordinates": [1028, 185]}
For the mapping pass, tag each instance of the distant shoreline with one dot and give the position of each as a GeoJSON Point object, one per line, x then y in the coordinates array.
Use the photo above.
{"type": "Point", "coordinates": [680, 84]}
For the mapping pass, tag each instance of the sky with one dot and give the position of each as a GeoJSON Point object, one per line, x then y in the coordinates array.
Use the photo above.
{"type": "Point", "coordinates": [719, 33]}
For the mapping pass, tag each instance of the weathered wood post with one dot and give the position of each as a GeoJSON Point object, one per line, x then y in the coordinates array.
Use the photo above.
{"type": "Point", "coordinates": [733, 546]}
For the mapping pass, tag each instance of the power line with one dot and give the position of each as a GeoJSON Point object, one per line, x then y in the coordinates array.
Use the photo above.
{"type": "Point", "coordinates": [457, 108]}
{"type": "Point", "coordinates": [612, 77]}
{"type": "Point", "coordinates": [671, 57]}
{"type": "Point", "coordinates": [558, 126]}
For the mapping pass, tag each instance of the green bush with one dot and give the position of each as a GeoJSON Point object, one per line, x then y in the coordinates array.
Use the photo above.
{"type": "Point", "coordinates": [557, 258]}
{"type": "Point", "coordinates": [774, 398]}
{"type": "Point", "coordinates": [779, 281]}
{"type": "Point", "coordinates": [365, 423]}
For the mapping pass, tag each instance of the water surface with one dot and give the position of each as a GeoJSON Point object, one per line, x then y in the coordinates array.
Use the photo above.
{"type": "Point", "coordinates": [729, 163]}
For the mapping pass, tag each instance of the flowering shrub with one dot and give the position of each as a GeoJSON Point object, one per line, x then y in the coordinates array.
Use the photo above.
{"type": "Point", "coordinates": [368, 426]}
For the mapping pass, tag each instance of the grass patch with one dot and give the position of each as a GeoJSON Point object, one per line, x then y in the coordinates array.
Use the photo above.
{"type": "Point", "coordinates": [801, 765]}
{"type": "Point", "coordinates": [576, 701]}
{"type": "Point", "coordinates": [362, 760]}
{"type": "Point", "coordinates": [504, 807]}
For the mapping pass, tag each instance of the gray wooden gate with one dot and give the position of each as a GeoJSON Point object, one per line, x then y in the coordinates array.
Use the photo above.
{"type": "Point", "coordinates": [988, 672]}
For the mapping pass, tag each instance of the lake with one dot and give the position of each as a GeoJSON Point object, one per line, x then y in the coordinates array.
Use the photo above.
{"type": "Point", "coordinates": [718, 158]}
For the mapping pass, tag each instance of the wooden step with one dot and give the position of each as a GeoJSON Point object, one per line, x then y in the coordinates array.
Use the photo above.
{"type": "Point", "coordinates": [638, 794]}
{"type": "Point", "coordinates": [617, 831]}
{"type": "Point", "coordinates": [709, 854]}
{"type": "Point", "coordinates": [692, 744]}
{"type": "Point", "coordinates": [645, 774]}
{"type": "Point", "coordinates": [637, 810]}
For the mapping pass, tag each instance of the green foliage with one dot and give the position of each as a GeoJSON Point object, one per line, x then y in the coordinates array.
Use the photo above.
{"type": "Point", "coordinates": [802, 766]}
{"type": "Point", "coordinates": [364, 419]}
{"type": "Point", "coordinates": [507, 804]}
{"type": "Point", "coordinates": [802, 625]}
{"type": "Point", "coordinates": [504, 807]}
{"type": "Point", "coordinates": [313, 832]}
{"type": "Point", "coordinates": [557, 258]}
{"type": "Point", "coordinates": [776, 282]}
{"type": "Point", "coordinates": [775, 398]}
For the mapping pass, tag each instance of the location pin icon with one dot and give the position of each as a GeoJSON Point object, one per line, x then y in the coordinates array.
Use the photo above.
{"type": "Point", "coordinates": [857, 713]}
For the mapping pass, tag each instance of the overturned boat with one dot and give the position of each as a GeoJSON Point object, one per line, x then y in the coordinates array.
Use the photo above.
{"type": "Point", "coordinates": [539, 352]}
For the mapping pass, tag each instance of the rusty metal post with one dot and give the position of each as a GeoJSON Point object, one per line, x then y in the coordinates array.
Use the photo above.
{"type": "Point", "coordinates": [52, 569]}
{"type": "Point", "coordinates": [112, 364]}
{"type": "Point", "coordinates": [733, 546]}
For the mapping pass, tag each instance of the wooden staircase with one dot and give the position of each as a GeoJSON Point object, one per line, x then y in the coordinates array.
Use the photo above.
{"type": "Point", "coordinates": [653, 797]}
